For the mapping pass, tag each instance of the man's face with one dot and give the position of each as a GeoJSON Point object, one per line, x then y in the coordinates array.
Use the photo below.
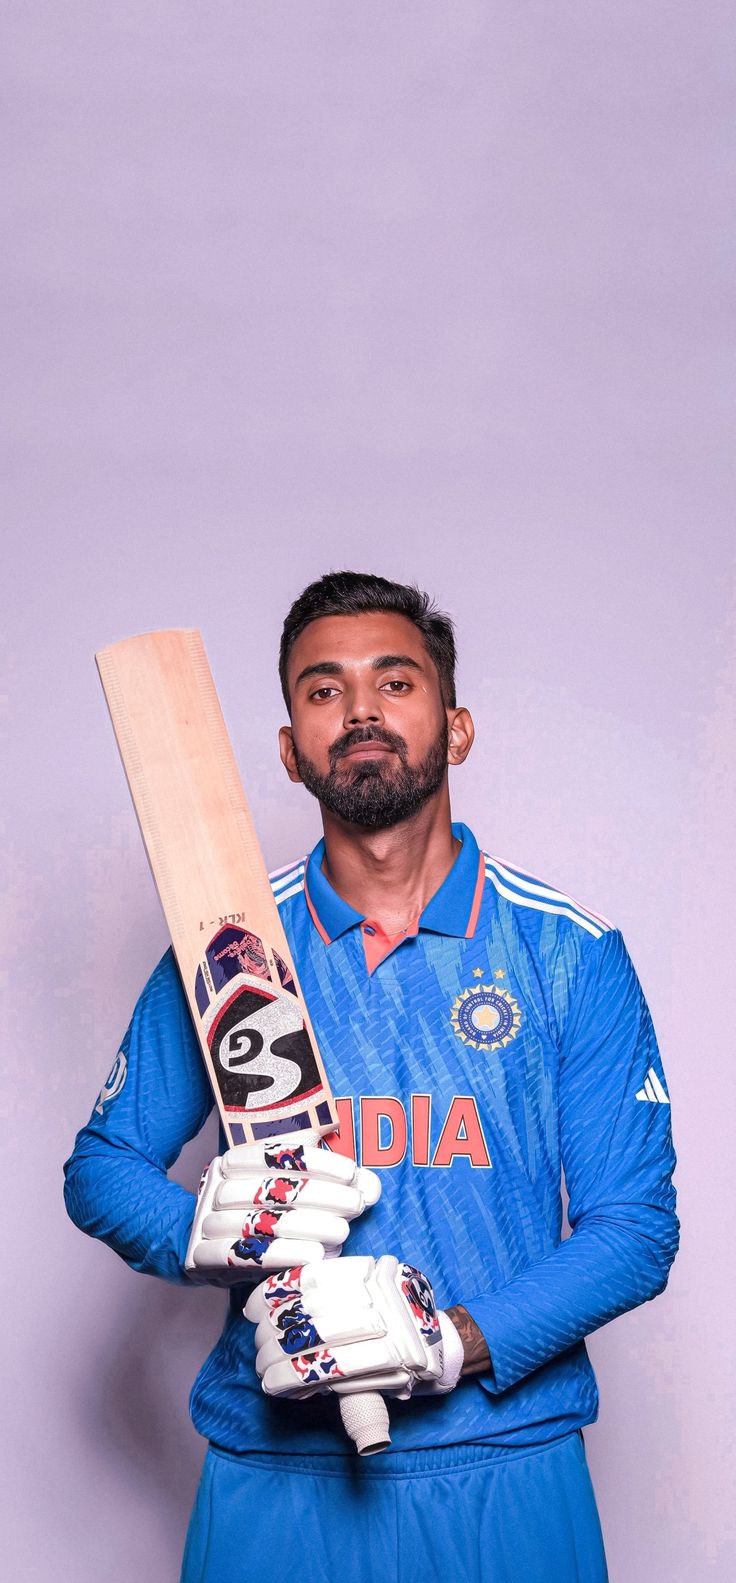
{"type": "Point", "coordinates": [369, 731]}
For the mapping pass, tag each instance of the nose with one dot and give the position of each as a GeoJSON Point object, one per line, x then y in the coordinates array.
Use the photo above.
{"type": "Point", "coordinates": [362, 708]}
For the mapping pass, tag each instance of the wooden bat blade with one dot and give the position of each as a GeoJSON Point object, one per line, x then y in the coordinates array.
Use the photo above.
{"type": "Point", "coordinates": [233, 956]}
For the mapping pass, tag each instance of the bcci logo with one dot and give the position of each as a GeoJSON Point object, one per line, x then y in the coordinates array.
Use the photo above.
{"type": "Point", "coordinates": [486, 1017]}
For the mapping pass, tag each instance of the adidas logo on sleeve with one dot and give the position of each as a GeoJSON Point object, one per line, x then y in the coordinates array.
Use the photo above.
{"type": "Point", "coordinates": [653, 1090]}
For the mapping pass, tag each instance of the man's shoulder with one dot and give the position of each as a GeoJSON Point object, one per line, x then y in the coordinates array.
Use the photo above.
{"type": "Point", "coordinates": [288, 881]}
{"type": "Point", "coordinates": [540, 904]}
{"type": "Point", "coordinates": [163, 991]}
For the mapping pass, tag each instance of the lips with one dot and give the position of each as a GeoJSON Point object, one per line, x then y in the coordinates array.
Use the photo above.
{"type": "Point", "coordinates": [364, 750]}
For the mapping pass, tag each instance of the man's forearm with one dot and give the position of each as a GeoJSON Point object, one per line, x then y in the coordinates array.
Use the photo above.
{"type": "Point", "coordinates": [477, 1359]}
{"type": "Point", "coordinates": [113, 1192]}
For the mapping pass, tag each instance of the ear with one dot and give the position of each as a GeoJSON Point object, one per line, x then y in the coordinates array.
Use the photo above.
{"type": "Point", "coordinates": [461, 735]}
{"type": "Point", "coordinates": [286, 750]}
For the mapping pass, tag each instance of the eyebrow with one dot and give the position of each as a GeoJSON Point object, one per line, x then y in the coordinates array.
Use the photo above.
{"type": "Point", "coordinates": [384, 662]}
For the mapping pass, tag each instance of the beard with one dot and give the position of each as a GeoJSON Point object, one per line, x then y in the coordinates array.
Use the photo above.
{"type": "Point", "coordinates": [375, 793]}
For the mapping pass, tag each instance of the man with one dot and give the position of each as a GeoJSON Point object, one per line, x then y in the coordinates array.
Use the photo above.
{"type": "Point", "coordinates": [486, 1032]}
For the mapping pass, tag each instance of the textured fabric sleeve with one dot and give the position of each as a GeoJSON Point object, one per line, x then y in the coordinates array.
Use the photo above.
{"type": "Point", "coordinates": [618, 1160]}
{"type": "Point", "coordinates": [156, 1098]}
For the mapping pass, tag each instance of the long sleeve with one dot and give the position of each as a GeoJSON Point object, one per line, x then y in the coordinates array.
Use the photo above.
{"type": "Point", "coordinates": [156, 1098]}
{"type": "Point", "coordinates": [618, 1159]}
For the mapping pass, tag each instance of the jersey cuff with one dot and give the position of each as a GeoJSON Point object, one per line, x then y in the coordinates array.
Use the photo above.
{"type": "Point", "coordinates": [498, 1318]}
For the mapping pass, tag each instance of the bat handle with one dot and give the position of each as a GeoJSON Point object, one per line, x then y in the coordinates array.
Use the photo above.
{"type": "Point", "coordinates": [365, 1416]}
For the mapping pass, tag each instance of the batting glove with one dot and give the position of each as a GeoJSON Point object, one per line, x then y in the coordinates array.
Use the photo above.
{"type": "Point", "coordinates": [361, 1324]}
{"type": "Point", "coordinates": [269, 1207]}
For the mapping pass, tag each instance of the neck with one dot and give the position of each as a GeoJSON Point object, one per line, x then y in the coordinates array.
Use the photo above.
{"type": "Point", "coordinates": [390, 875]}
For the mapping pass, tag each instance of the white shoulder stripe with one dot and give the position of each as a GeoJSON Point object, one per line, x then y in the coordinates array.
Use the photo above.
{"type": "Point", "coordinates": [534, 886]}
{"type": "Point", "coordinates": [523, 900]}
{"type": "Point", "coordinates": [285, 894]}
{"type": "Point", "coordinates": [286, 876]}
{"type": "Point", "coordinates": [285, 868]}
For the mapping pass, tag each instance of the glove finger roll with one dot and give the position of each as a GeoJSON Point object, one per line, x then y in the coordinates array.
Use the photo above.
{"type": "Point", "coordinates": [305, 1224]}
{"type": "Point", "coordinates": [282, 1330]}
{"type": "Point", "coordinates": [259, 1160]}
{"type": "Point", "coordinates": [280, 1192]}
{"type": "Point", "coordinates": [336, 1277]}
{"type": "Point", "coordinates": [323, 1365]}
{"type": "Point", "coordinates": [277, 1255]}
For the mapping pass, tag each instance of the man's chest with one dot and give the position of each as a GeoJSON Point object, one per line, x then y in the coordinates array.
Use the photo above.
{"type": "Point", "coordinates": [443, 1056]}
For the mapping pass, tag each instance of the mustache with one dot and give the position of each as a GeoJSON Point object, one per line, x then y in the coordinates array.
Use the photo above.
{"type": "Point", "coordinates": [351, 739]}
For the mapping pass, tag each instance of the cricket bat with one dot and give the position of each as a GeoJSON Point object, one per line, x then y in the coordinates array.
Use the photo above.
{"type": "Point", "coordinates": [236, 968]}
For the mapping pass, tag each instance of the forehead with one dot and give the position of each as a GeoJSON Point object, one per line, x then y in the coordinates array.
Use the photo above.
{"type": "Point", "coordinates": [357, 640]}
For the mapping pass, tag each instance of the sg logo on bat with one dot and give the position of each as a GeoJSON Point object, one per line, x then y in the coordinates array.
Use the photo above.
{"type": "Point", "coordinates": [261, 1051]}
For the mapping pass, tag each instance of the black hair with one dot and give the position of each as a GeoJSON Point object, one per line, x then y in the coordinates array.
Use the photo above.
{"type": "Point", "coordinates": [357, 593]}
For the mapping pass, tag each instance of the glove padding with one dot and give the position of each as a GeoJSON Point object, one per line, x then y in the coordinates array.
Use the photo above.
{"type": "Point", "coordinates": [361, 1324]}
{"type": "Point", "coordinates": [271, 1206]}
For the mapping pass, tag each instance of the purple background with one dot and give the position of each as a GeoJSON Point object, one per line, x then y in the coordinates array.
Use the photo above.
{"type": "Point", "coordinates": [435, 290]}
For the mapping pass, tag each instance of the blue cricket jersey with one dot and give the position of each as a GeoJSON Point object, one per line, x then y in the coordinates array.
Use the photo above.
{"type": "Point", "coordinates": [504, 1042]}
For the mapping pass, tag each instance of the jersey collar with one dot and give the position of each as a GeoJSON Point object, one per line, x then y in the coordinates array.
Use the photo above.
{"type": "Point", "coordinates": [452, 910]}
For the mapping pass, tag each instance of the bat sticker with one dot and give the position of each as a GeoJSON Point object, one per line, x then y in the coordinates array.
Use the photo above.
{"type": "Point", "coordinates": [285, 973]}
{"type": "Point", "coordinates": [236, 951]}
{"type": "Point", "coordinates": [261, 1052]}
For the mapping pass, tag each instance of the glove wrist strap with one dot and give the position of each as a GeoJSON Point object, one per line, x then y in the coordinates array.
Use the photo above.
{"type": "Point", "coordinates": [453, 1353]}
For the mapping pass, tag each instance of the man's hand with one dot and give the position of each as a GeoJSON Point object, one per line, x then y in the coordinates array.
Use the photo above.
{"type": "Point", "coordinates": [271, 1206]}
{"type": "Point", "coordinates": [476, 1357]}
{"type": "Point", "coordinates": [358, 1325]}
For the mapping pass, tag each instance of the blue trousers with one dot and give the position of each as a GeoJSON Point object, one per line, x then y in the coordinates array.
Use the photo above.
{"type": "Point", "coordinates": [478, 1514]}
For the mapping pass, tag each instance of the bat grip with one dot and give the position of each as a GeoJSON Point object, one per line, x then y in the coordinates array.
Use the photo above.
{"type": "Point", "coordinates": [365, 1416]}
